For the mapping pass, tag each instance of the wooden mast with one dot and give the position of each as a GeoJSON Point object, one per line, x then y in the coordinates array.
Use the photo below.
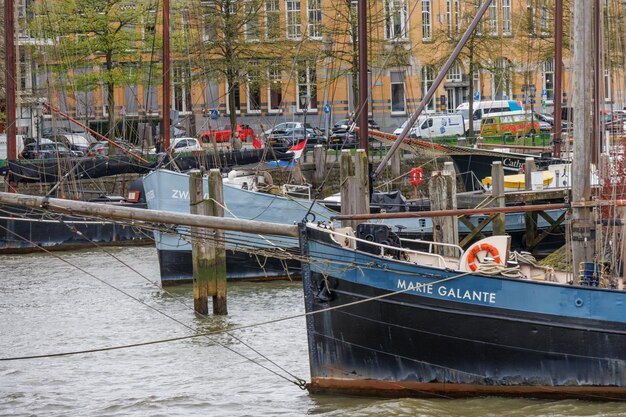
{"type": "Point", "coordinates": [558, 75]}
{"type": "Point", "coordinates": [167, 98]}
{"type": "Point", "coordinates": [9, 58]}
{"type": "Point", "coordinates": [582, 227]}
{"type": "Point", "coordinates": [363, 77]}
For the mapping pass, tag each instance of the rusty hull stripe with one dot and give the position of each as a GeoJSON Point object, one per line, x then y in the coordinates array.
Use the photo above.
{"type": "Point", "coordinates": [395, 389]}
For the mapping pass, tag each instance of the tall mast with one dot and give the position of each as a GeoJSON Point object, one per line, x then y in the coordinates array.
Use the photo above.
{"type": "Point", "coordinates": [583, 234]}
{"type": "Point", "coordinates": [9, 57]}
{"type": "Point", "coordinates": [167, 93]}
{"type": "Point", "coordinates": [558, 75]}
{"type": "Point", "coordinates": [363, 77]}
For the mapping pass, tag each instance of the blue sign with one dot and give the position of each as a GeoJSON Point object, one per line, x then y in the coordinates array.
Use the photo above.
{"type": "Point", "coordinates": [214, 114]}
{"type": "Point", "coordinates": [326, 108]}
{"type": "Point", "coordinates": [477, 96]}
{"type": "Point", "coordinates": [544, 92]}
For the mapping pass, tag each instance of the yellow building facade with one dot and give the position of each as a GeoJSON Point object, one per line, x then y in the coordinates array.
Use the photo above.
{"type": "Point", "coordinates": [306, 47]}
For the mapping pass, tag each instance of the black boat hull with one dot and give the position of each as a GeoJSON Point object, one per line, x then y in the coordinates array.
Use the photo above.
{"type": "Point", "coordinates": [412, 346]}
{"type": "Point", "coordinates": [176, 267]}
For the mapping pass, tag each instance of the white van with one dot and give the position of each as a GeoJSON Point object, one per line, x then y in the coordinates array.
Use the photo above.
{"type": "Point", "coordinates": [434, 126]}
{"type": "Point", "coordinates": [484, 107]}
{"type": "Point", "coordinates": [19, 144]}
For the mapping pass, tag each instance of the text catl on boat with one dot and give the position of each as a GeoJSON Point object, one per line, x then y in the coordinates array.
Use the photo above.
{"type": "Point", "coordinates": [388, 321]}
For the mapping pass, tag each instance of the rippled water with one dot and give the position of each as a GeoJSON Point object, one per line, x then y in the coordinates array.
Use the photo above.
{"type": "Point", "coordinates": [51, 306]}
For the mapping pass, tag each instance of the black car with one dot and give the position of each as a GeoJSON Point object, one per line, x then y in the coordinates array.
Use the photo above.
{"type": "Point", "coordinates": [47, 150]}
{"type": "Point", "coordinates": [343, 139]}
{"type": "Point", "coordinates": [345, 124]}
{"type": "Point", "coordinates": [285, 139]}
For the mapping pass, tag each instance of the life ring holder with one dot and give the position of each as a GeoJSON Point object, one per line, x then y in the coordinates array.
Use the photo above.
{"type": "Point", "coordinates": [480, 247]}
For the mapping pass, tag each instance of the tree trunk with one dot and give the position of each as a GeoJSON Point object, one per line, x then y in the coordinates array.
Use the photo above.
{"type": "Point", "coordinates": [232, 109]}
{"type": "Point", "coordinates": [110, 104]}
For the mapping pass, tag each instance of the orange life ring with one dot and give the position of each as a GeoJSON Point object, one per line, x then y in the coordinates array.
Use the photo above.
{"type": "Point", "coordinates": [417, 176]}
{"type": "Point", "coordinates": [473, 251]}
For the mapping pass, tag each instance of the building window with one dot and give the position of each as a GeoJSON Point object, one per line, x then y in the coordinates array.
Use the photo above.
{"type": "Point", "coordinates": [272, 19]}
{"type": "Point", "coordinates": [449, 16]}
{"type": "Point", "coordinates": [234, 90]}
{"type": "Point", "coordinates": [502, 79]}
{"type": "Point", "coordinates": [294, 27]}
{"type": "Point", "coordinates": [544, 19]}
{"type": "Point", "coordinates": [530, 12]}
{"type": "Point", "coordinates": [274, 91]}
{"type": "Point", "coordinates": [396, 18]}
{"type": "Point", "coordinates": [182, 93]}
{"type": "Point", "coordinates": [209, 28]}
{"type": "Point", "coordinates": [493, 18]}
{"type": "Point", "coordinates": [314, 15]}
{"type": "Point", "coordinates": [251, 16]}
{"type": "Point", "coordinates": [455, 73]}
{"type": "Point", "coordinates": [254, 90]}
{"type": "Point", "coordinates": [398, 99]}
{"type": "Point", "coordinates": [151, 99]}
{"type": "Point", "coordinates": [506, 18]}
{"type": "Point", "coordinates": [131, 101]}
{"type": "Point", "coordinates": [427, 21]}
{"type": "Point", "coordinates": [548, 79]}
{"type": "Point", "coordinates": [307, 84]}
{"type": "Point", "coordinates": [476, 83]}
{"type": "Point", "coordinates": [428, 76]}
{"type": "Point", "coordinates": [453, 13]}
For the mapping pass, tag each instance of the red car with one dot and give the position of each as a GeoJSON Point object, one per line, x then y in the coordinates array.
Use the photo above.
{"type": "Point", "coordinates": [245, 133]}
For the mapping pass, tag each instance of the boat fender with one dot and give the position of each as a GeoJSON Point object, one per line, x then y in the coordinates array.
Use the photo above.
{"type": "Point", "coordinates": [479, 247]}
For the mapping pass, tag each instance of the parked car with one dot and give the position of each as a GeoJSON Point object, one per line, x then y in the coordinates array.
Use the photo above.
{"type": "Point", "coordinates": [178, 145]}
{"type": "Point", "coordinates": [50, 132]}
{"type": "Point", "coordinates": [47, 149]}
{"type": "Point", "coordinates": [75, 142]}
{"type": "Point", "coordinates": [345, 124]}
{"type": "Point", "coordinates": [281, 127]}
{"type": "Point", "coordinates": [343, 139]}
{"type": "Point", "coordinates": [285, 139]}
{"type": "Point", "coordinates": [223, 134]}
{"type": "Point", "coordinates": [102, 148]}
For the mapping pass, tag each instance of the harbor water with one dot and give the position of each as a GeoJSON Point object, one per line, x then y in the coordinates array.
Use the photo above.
{"type": "Point", "coordinates": [105, 298]}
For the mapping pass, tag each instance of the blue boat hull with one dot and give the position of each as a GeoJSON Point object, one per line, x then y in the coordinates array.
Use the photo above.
{"type": "Point", "coordinates": [432, 332]}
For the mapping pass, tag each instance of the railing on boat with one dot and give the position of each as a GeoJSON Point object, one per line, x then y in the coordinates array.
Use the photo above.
{"type": "Point", "coordinates": [440, 259]}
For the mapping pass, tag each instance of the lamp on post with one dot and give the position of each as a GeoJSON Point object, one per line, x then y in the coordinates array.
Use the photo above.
{"type": "Point", "coordinates": [304, 105]}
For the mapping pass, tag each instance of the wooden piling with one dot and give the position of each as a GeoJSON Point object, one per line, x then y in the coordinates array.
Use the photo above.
{"type": "Point", "coordinates": [497, 193]}
{"type": "Point", "coordinates": [200, 248]}
{"type": "Point", "coordinates": [218, 277]}
{"type": "Point", "coordinates": [361, 171]}
{"type": "Point", "coordinates": [346, 173]}
{"type": "Point", "coordinates": [395, 164]}
{"type": "Point", "coordinates": [442, 192]}
{"type": "Point", "coordinates": [319, 158]}
{"type": "Point", "coordinates": [354, 179]}
{"type": "Point", "coordinates": [530, 217]}
{"type": "Point", "coordinates": [530, 167]}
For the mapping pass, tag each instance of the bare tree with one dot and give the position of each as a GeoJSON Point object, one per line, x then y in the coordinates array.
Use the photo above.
{"type": "Point", "coordinates": [85, 33]}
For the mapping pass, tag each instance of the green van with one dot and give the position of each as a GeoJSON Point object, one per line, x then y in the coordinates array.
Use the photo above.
{"type": "Point", "coordinates": [508, 124]}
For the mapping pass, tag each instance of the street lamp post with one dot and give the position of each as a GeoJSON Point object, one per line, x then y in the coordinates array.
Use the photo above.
{"type": "Point", "coordinates": [304, 105]}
